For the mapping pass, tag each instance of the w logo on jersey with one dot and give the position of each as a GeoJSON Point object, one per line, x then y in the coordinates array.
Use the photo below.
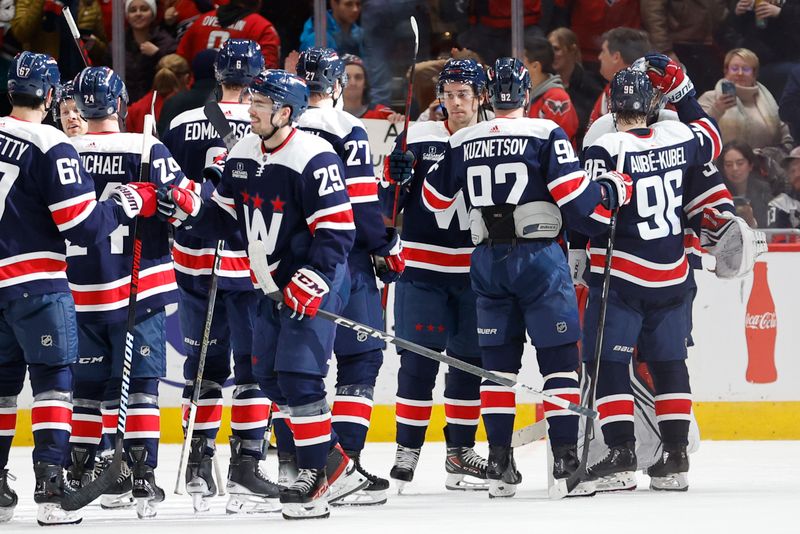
{"type": "Point", "coordinates": [457, 209]}
{"type": "Point", "coordinates": [257, 226]}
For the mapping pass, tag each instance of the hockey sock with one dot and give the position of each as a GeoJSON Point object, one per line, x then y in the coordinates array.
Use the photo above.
{"type": "Point", "coordinates": [87, 421]}
{"type": "Point", "coordinates": [143, 422]}
{"type": "Point", "coordinates": [558, 365]}
{"type": "Point", "coordinates": [249, 417]}
{"type": "Point", "coordinates": [351, 413]}
{"type": "Point", "coordinates": [673, 400]}
{"type": "Point", "coordinates": [51, 412]}
{"type": "Point", "coordinates": [615, 402]}
{"type": "Point", "coordinates": [311, 424]}
{"type": "Point", "coordinates": [12, 377]}
{"type": "Point", "coordinates": [499, 403]}
{"type": "Point", "coordinates": [415, 381]}
{"type": "Point", "coordinates": [281, 428]}
{"type": "Point", "coordinates": [462, 404]}
{"type": "Point", "coordinates": [209, 411]}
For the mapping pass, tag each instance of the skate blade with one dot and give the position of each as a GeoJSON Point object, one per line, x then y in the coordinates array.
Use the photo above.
{"type": "Point", "coordinates": [251, 504]}
{"type": "Point", "coordinates": [624, 481]}
{"type": "Point", "coordinates": [348, 482]}
{"type": "Point", "coordinates": [558, 490]}
{"type": "Point", "coordinates": [52, 514]}
{"type": "Point", "coordinates": [201, 503]}
{"type": "Point", "coordinates": [400, 485]}
{"type": "Point", "coordinates": [146, 508]}
{"type": "Point", "coordinates": [674, 482]}
{"type": "Point", "coordinates": [6, 514]}
{"type": "Point", "coordinates": [115, 502]}
{"type": "Point", "coordinates": [460, 482]}
{"type": "Point", "coordinates": [363, 498]}
{"type": "Point", "coordinates": [317, 509]}
{"type": "Point", "coordinates": [501, 490]}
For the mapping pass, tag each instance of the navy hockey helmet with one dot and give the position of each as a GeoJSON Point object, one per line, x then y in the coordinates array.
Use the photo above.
{"type": "Point", "coordinates": [34, 75]}
{"type": "Point", "coordinates": [284, 88]}
{"type": "Point", "coordinates": [99, 92]}
{"type": "Point", "coordinates": [321, 68]}
{"type": "Point", "coordinates": [466, 71]}
{"type": "Point", "coordinates": [631, 90]}
{"type": "Point", "coordinates": [508, 83]}
{"type": "Point", "coordinates": [238, 62]}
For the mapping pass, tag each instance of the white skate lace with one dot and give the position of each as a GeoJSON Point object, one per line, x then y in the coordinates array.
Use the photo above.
{"type": "Point", "coordinates": [306, 479]}
{"type": "Point", "coordinates": [472, 458]}
{"type": "Point", "coordinates": [406, 458]}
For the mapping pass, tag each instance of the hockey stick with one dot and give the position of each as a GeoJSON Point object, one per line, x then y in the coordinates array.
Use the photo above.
{"type": "Point", "coordinates": [85, 495]}
{"type": "Point", "coordinates": [529, 434]}
{"type": "Point", "coordinates": [76, 36]}
{"type": "Point", "coordinates": [403, 144]}
{"type": "Point", "coordinates": [258, 264]}
{"type": "Point", "coordinates": [564, 486]}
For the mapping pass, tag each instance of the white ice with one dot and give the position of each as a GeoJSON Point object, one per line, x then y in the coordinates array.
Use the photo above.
{"type": "Point", "coordinates": [735, 487]}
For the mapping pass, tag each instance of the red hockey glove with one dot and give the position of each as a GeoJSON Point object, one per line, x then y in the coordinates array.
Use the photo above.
{"type": "Point", "coordinates": [668, 77]}
{"type": "Point", "coordinates": [136, 198]}
{"type": "Point", "coordinates": [304, 292]}
{"type": "Point", "coordinates": [177, 205]}
{"type": "Point", "coordinates": [618, 187]}
{"type": "Point", "coordinates": [389, 261]}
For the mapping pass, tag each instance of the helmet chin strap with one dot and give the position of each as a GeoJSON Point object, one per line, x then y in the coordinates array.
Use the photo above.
{"type": "Point", "coordinates": [275, 128]}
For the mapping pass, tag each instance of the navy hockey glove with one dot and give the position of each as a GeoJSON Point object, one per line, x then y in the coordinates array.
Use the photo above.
{"type": "Point", "coordinates": [618, 188]}
{"type": "Point", "coordinates": [389, 261]}
{"type": "Point", "coordinates": [398, 167]}
{"type": "Point", "coordinates": [177, 205]}
{"type": "Point", "coordinates": [213, 173]}
{"type": "Point", "coordinates": [668, 77]}
{"type": "Point", "coordinates": [304, 293]}
{"type": "Point", "coordinates": [136, 198]}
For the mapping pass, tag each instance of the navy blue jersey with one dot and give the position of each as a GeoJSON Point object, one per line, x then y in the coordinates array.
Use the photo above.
{"type": "Point", "coordinates": [46, 196]}
{"type": "Point", "coordinates": [436, 246]}
{"type": "Point", "coordinates": [349, 139]}
{"type": "Point", "coordinates": [650, 246]}
{"type": "Point", "coordinates": [515, 161]}
{"type": "Point", "coordinates": [100, 274]}
{"type": "Point", "coordinates": [293, 199]}
{"type": "Point", "coordinates": [195, 144]}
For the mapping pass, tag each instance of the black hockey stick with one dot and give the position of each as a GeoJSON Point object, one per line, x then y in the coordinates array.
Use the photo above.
{"type": "Point", "coordinates": [564, 486]}
{"type": "Point", "coordinates": [99, 486]}
{"type": "Point", "coordinates": [258, 264]}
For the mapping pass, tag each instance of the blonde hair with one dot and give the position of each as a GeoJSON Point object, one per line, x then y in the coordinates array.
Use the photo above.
{"type": "Point", "coordinates": [170, 75]}
{"type": "Point", "coordinates": [746, 54]}
{"type": "Point", "coordinates": [568, 40]}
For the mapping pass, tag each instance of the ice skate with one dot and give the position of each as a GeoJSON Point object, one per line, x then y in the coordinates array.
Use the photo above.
{"type": "Point", "coordinates": [373, 494]}
{"type": "Point", "coordinates": [502, 472]}
{"type": "Point", "coordinates": [617, 471]}
{"type": "Point", "coordinates": [250, 490]}
{"type": "Point", "coordinates": [147, 494]}
{"type": "Point", "coordinates": [120, 494]}
{"type": "Point", "coordinates": [669, 473]}
{"type": "Point", "coordinates": [50, 489]}
{"type": "Point", "coordinates": [199, 475]}
{"type": "Point", "coordinates": [405, 462]}
{"type": "Point", "coordinates": [79, 474]}
{"type": "Point", "coordinates": [8, 499]}
{"type": "Point", "coordinates": [466, 470]}
{"type": "Point", "coordinates": [566, 462]}
{"type": "Point", "coordinates": [343, 477]}
{"type": "Point", "coordinates": [287, 468]}
{"type": "Point", "coordinates": [307, 497]}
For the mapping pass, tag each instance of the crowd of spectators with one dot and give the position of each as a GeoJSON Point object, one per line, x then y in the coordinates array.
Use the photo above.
{"type": "Point", "coordinates": [572, 48]}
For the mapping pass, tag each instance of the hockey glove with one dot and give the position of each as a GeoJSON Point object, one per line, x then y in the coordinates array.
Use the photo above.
{"type": "Point", "coordinates": [389, 261]}
{"type": "Point", "coordinates": [732, 242]}
{"type": "Point", "coordinates": [136, 198]}
{"type": "Point", "coordinates": [578, 261]}
{"type": "Point", "coordinates": [213, 173]}
{"type": "Point", "coordinates": [398, 167]}
{"type": "Point", "coordinates": [177, 205]}
{"type": "Point", "coordinates": [304, 293]}
{"type": "Point", "coordinates": [618, 189]}
{"type": "Point", "coordinates": [668, 77]}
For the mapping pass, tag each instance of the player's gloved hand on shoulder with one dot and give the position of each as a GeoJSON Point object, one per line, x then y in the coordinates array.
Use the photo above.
{"type": "Point", "coordinates": [389, 261]}
{"type": "Point", "coordinates": [668, 76]}
{"type": "Point", "coordinates": [136, 198]}
{"type": "Point", "coordinates": [177, 205]}
{"type": "Point", "coordinates": [213, 173]}
{"type": "Point", "coordinates": [304, 293]}
{"type": "Point", "coordinates": [618, 188]}
{"type": "Point", "coordinates": [398, 167]}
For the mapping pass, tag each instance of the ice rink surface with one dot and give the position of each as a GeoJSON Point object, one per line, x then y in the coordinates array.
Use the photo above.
{"type": "Point", "coordinates": [735, 487]}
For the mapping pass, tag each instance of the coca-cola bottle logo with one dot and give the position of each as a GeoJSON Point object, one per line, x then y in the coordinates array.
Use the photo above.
{"type": "Point", "coordinates": [761, 321]}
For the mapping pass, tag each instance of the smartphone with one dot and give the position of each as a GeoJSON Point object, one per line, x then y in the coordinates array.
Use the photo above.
{"type": "Point", "coordinates": [728, 88]}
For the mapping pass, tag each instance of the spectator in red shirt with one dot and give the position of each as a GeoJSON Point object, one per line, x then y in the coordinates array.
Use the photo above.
{"type": "Point", "coordinates": [549, 99]}
{"type": "Point", "coordinates": [172, 75]}
{"type": "Point", "coordinates": [180, 14]}
{"type": "Point", "coordinates": [239, 20]}
{"type": "Point", "coordinates": [356, 93]}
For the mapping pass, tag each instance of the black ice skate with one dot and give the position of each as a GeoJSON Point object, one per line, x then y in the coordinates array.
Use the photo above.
{"type": "Point", "coordinates": [405, 462]}
{"type": "Point", "coordinates": [147, 494]}
{"type": "Point", "coordinates": [287, 468]}
{"type": "Point", "coordinates": [8, 499]}
{"type": "Point", "coordinates": [466, 470]}
{"type": "Point", "coordinates": [342, 474]}
{"type": "Point", "coordinates": [79, 474]}
{"type": "Point", "coordinates": [565, 462]}
{"type": "Point", "coordinates": [307, 497]}
{"type": "Point", "coordinates": [48, 493]}
{"type": "Point", "coordinates": [120, 494]}
{"type": "Point", "coordinates": [250, 490]}
{"type": "Point", "coordinates": [669, 472]}
{"type": "Point", "coordinates": [373, 494]}
{"type": "Point", "coordinates": [199, 475]}
{"type": "Point", "coordinates": [502, 472]}
{"type": "Point", "coordinates": [617, 471]}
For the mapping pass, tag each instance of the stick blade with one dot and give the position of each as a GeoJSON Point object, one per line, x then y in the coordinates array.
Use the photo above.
{"type": "Point", "coordinates": [415, 28]}
{"type": "Point", "coordinates": [257, 252]}
{"type": "Point", "coordinates": [102, 484]}
{"type": "Point", "coordinates": [529, 434]}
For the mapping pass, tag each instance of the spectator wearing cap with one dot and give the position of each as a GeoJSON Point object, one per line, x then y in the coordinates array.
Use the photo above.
{"type": "Point", "coordinates": [172, 76]}
{"type": "Point", "coordinates": [751, 195]}
{"type": "Point", "coordinates": [200, 92]}
{"type": "Point", "coordinates": [145, 44]}
{"type": "Point", "coordinates": [784, 209]}
{"type": "Point", "coordinates": [356, 93]}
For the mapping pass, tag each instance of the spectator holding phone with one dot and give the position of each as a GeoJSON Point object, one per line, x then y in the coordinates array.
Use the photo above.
{"type": "Point", "coordinates": [751, 194]}
{"type": "Point", "coordinates": [744, 109]}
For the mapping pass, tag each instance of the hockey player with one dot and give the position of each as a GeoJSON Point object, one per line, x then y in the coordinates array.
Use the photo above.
{"type": "Point", "coordinates": [45, 198]}
{"type": "Point", "coordinates": [652, 288]}
{"type": "Point", "coordinates": [515, 173]}
{"type": "Point", "coordinates": [68, 115]}
{"type": "Point", "coordinates": [99, 279]}
{"type": "Point", "coordinates": [190, 134]}
{"type": "Point", "coordinates": [286, 188]}
{"type": "Point", "coordinates": [357, 360]}
{"type": "Point", "coordinates": [434, 304]}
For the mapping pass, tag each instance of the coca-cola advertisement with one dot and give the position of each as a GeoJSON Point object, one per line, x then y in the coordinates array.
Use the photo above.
{"type": "Point", "coordinates": [761, 329]}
